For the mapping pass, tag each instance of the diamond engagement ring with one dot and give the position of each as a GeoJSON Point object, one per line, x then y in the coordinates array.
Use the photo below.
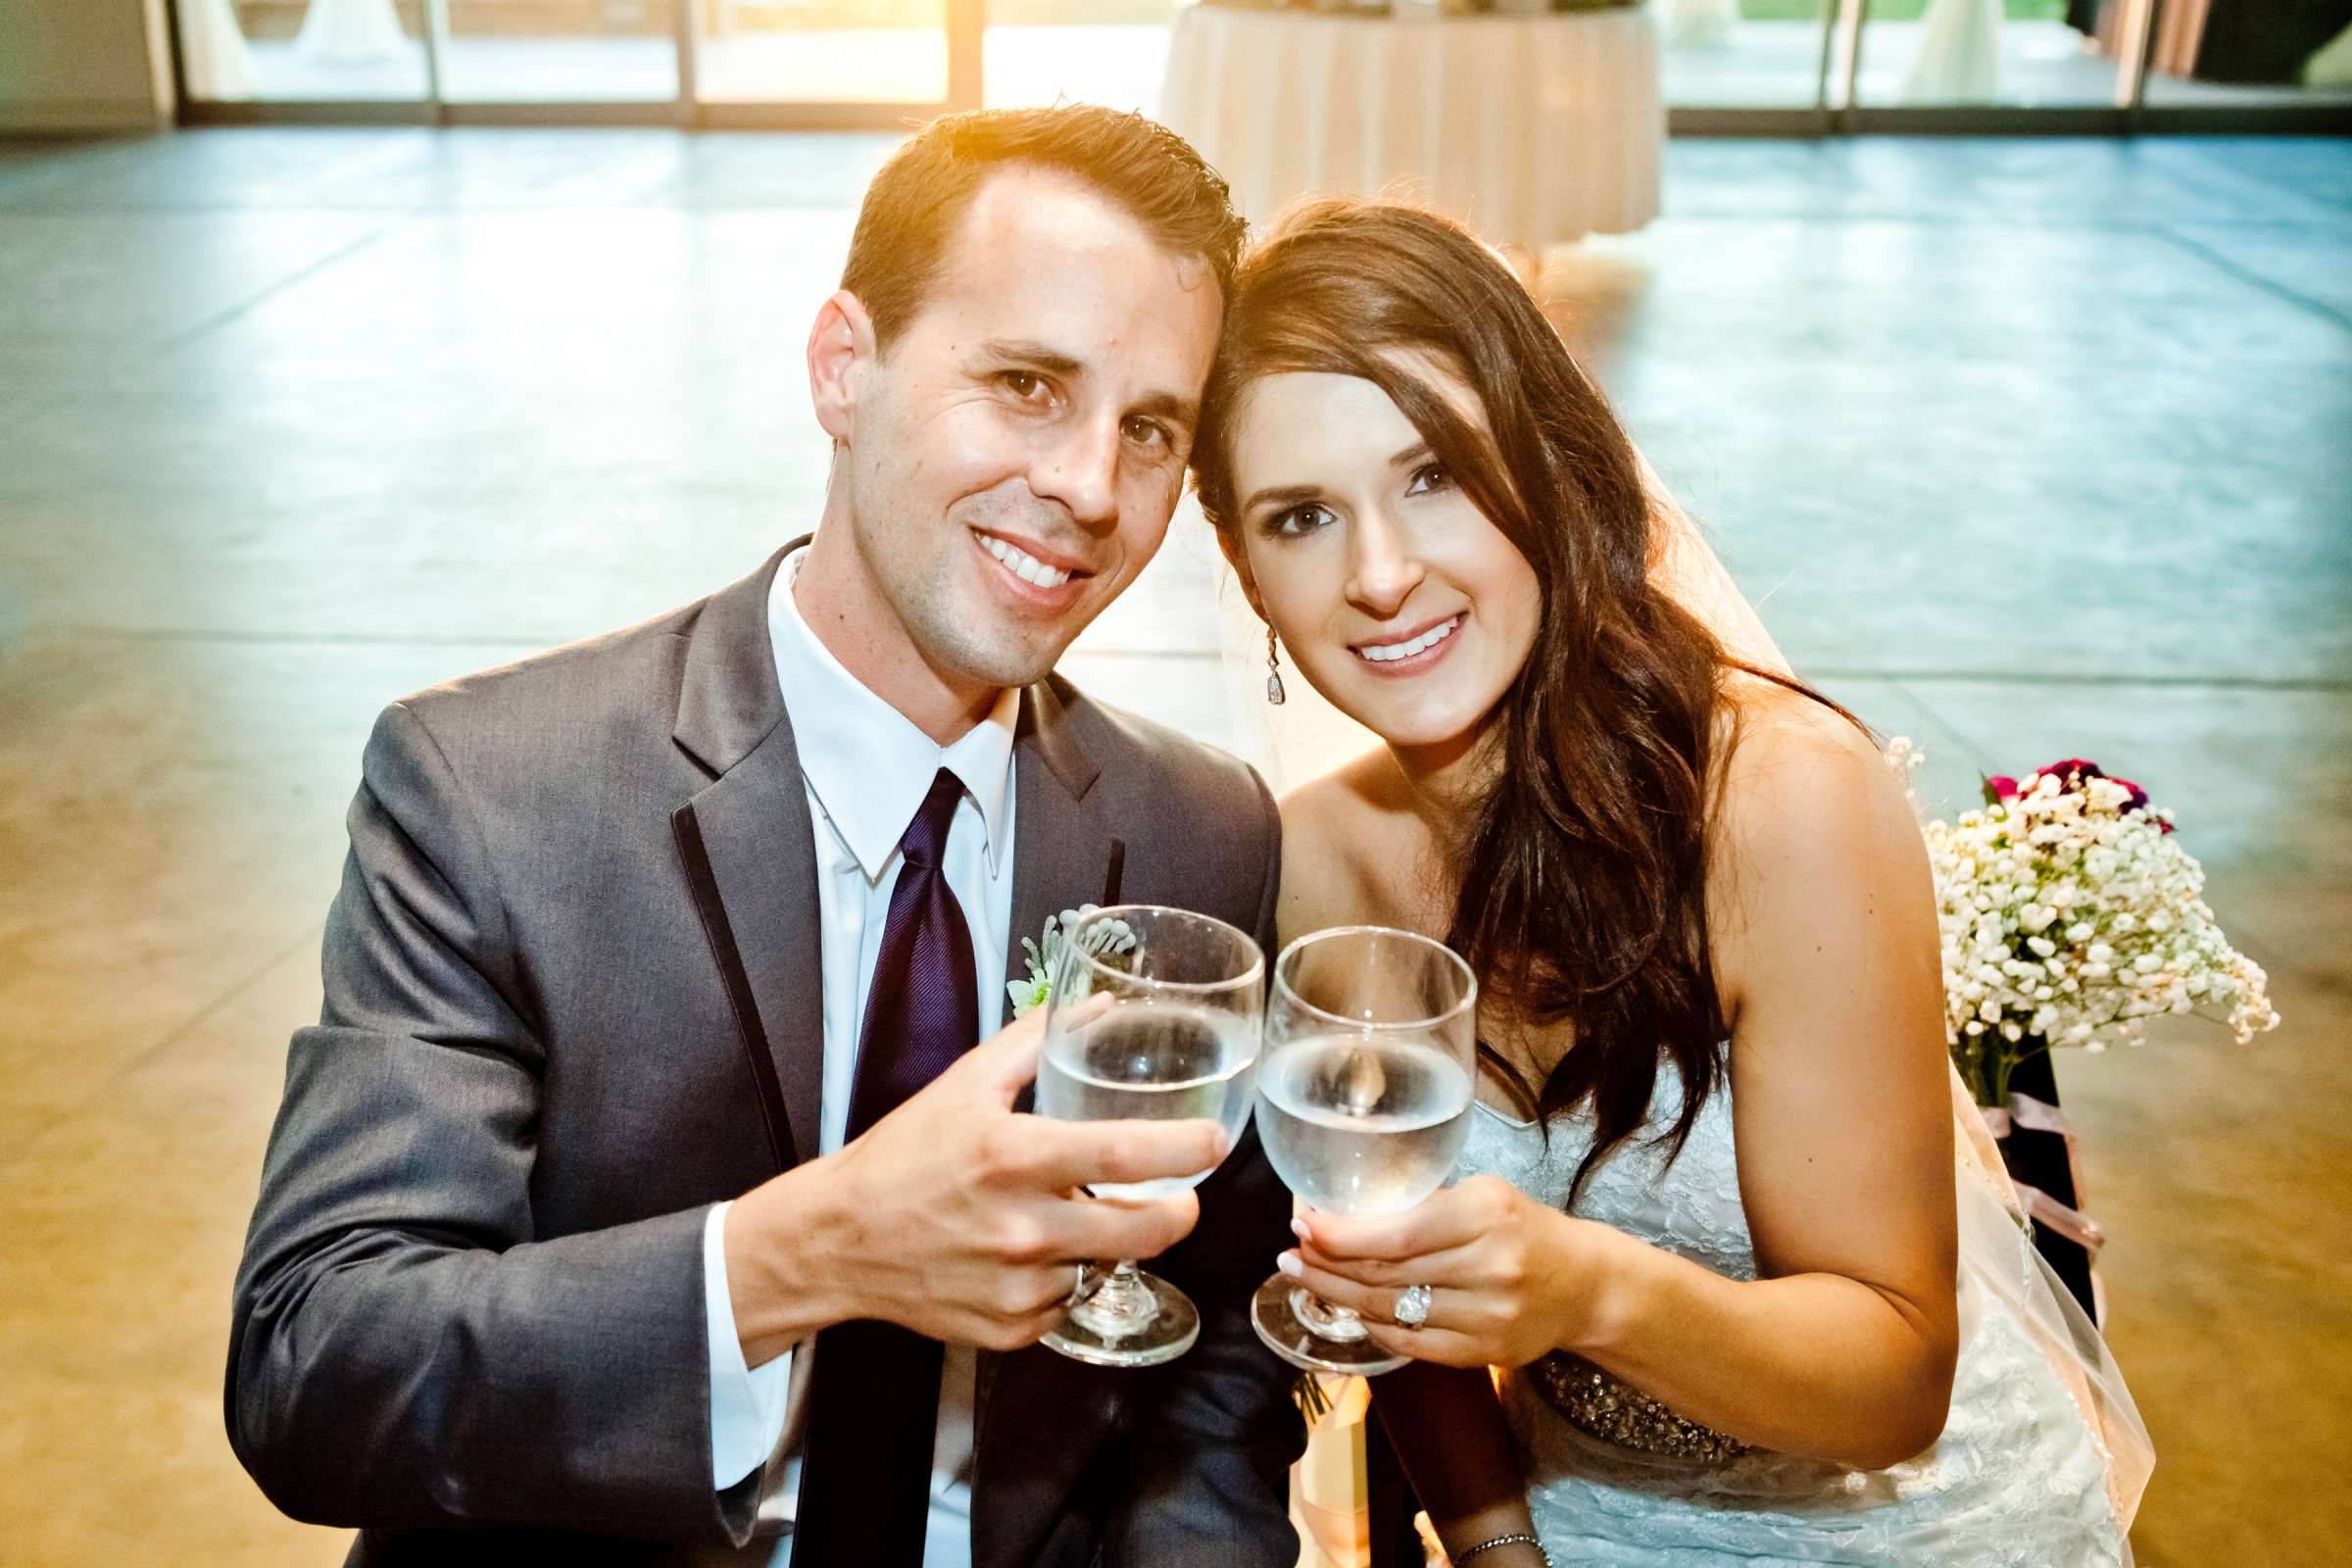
{"type": "Point", "coordinates": [1412, 1307]}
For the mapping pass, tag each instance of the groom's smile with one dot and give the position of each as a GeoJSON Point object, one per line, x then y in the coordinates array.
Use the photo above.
{"type": "Point", "coordinates": [1036, 576]}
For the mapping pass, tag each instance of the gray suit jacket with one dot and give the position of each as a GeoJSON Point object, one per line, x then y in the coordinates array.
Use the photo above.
{"type": "Point", "coordinates": [573, 1000]}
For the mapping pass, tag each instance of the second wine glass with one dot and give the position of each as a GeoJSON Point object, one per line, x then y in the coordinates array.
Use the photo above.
{"type": "Point", "coordinates": [1153, 1015]}
{"type": "Point", "coordinates": [1364, 1092]}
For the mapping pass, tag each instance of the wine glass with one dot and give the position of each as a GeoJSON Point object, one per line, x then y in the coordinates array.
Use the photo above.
{"type": "Point", "coordinates": [1155, 1016]}
{"type": "Point", "coordinates": [1364, 1092]}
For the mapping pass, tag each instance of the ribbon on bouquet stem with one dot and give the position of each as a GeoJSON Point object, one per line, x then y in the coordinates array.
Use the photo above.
{"type": "Point", "coordinates": [2041, 1116]}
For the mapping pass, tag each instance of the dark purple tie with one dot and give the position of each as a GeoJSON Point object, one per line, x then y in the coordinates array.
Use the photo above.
{"type": "Point", "coordinates": [873, 1394]}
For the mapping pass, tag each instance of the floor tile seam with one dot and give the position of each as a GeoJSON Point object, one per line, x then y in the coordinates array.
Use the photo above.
{"type": "Point", "coordinates": [252, 302]}
{"type": "Point", "coordinates": [1968, 743]}
{"type": "Point", "coordinates": [1986, 218]}
{"type": "Point", "coordinates": [427, 204]}
{"type": "Point", "coordinates": [1891, 673]}
{"type": "Point", "coordinates": [1990, 219]}
{"type": "Point", "coordinates": [1901, 675]}
{"type": "Point", "coordinates": [2212, 171]}
{"type": "Point", "coordinates": [85, 633]}
{"type": "Point", "coordinates": [847, 208]}
{"type": "Point", "coordinates": [311, 935]}
{"type": "Point", "coordinates": [269, 639]}
{"type": "Point", "coordinates": [2046, 220]}
{"type": "Point", "coordinates": [2247, 275]}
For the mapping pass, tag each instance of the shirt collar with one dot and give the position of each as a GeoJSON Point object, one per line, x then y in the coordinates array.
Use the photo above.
{"type": "Point", "coordinates": [866, 762]}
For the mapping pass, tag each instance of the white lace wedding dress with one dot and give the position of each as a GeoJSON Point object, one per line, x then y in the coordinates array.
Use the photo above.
{"type": "Point", "coordinates": [2022, 1477]}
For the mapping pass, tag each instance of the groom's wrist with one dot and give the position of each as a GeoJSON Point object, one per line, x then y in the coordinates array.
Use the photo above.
{"type": "Point", "coordinates": [787, 1272]}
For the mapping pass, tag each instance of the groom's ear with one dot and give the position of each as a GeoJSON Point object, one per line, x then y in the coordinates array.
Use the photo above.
{"type": "Point", "coordinates": [841, 345]}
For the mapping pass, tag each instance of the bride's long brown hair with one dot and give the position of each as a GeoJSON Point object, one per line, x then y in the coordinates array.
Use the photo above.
{"type": "Point", "coordinates": [1580, 876]}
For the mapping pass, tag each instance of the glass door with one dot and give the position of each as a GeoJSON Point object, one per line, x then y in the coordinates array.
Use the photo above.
{"type": "Point", "coordinates": [1744, 54]}
{"type": "Point", "coordinates": [821, 63]}
{"type": "Point", "coordinates": [1111, 52]}
{"type": "Point", "coordinates": [2023, 54]}
{"type": "Point", "coordinates": [788, 64]}
{"type": "Point", "coordinates": [328, 52]}
{"type": "Point", "coordinates": [558, 51]}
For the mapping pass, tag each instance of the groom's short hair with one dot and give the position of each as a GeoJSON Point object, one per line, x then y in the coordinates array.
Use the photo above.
{"type": "Point", "coordinates": [917, 202]}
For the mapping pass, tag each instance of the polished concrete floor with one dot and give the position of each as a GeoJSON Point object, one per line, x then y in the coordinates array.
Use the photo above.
{"type": "Point", "coordinates": [2027, 449]}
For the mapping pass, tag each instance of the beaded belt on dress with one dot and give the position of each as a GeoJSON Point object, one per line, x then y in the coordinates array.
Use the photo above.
{"type": "Point", "coordinates": [1602, 1406]}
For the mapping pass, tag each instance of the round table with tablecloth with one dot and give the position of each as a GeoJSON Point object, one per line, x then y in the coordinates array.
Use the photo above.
{"type": "Point", "coordinates": [1534, 129]}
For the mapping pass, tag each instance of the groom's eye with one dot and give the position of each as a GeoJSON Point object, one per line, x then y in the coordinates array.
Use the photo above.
{"type": "Point", "coordinates": [1148, 433]}
{"type": "Point", "coordinates": [1026, 385]}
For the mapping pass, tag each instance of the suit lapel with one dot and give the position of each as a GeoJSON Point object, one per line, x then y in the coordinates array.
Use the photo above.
{"type": "Point", "coordinates": [1059, 846]}
{"type": "Point", "coordinates": [756, 881]}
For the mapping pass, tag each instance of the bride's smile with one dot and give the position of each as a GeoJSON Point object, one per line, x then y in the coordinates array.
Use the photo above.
{"type": "Point", "coordinates": [1402, 656]}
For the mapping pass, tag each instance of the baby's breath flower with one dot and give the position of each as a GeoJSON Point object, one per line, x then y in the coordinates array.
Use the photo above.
{"type": "Point", "coordinates": [2070, 915]}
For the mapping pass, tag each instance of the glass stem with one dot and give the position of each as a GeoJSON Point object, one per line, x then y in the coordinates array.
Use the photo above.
{"type": "Point", "coordinates": [1116, 1305]}
{"type": "Point", "coordinates": [1339, 1324]}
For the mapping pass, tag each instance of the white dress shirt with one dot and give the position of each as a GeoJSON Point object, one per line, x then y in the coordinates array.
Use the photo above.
{"type": "Point", "coordinates": [866, 768]}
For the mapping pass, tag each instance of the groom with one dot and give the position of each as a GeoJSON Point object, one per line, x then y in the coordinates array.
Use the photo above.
{"type": "Point", "coordinates": [640, 1196]}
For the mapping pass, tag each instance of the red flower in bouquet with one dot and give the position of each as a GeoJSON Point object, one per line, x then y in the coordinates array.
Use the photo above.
{"type": "Point", "coordinates": [2072, 774]}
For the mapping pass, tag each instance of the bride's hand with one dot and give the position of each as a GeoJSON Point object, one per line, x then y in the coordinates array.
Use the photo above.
{"type": "Point", "coordinates": [1510, 1279]}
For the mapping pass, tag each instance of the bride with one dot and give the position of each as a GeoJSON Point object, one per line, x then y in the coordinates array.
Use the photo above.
{"type": "Point", "coordinates": [1754, 1301]}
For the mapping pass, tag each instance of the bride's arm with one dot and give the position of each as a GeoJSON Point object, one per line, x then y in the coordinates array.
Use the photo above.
{"type": "Point", "coordinates": [1448, 1432]}
{"type": "Point", "coordinates": [1823, 915]}
{"type": "Point", "coordinates": [1828, 957]}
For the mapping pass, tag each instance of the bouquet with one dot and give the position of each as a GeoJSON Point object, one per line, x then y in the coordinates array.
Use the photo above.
{"type": "Point", "coordinates": [2070, 916]}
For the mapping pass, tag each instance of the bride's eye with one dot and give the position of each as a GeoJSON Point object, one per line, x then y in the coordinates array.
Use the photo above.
{"type": "Point", "coordinates": [1298, 522]}
{"type": "Point", "coordinates": [1428, 478]}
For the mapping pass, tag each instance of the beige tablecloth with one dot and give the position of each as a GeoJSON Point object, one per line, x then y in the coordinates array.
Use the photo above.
{"type": "Point", "coordinates": [1535, 131]}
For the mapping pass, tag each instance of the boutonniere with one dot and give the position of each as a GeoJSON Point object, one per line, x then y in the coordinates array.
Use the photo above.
{"type": "Point", "coordinates": [1045, 956]}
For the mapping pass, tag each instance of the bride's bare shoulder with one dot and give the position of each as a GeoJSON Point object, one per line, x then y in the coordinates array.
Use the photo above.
{"type": "Point", "coordinates": [1806, 791]}
{"type": "Point", "coordinates": [1784, 742]}
{"type": "Point", "coordinates": [1328, 825]}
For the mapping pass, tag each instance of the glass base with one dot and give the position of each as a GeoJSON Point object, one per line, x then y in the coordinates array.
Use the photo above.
{"type": "Point", "coordinates": [1125, 1317]}
{"type": "Point", "coordinates": [1311, 1334]}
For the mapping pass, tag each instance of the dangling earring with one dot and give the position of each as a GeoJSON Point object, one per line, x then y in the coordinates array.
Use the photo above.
{"type": "Point", "coordinates": [1273, 668]}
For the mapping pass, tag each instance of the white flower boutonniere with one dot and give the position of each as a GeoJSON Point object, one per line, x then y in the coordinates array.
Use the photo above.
{"type": "Point", "coordinates": [1112, 936]}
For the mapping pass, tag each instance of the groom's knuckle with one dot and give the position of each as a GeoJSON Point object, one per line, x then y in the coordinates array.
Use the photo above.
{"type": "Point", "coordinates": [1010, 1296]}
{"type": "Point", "coordinates": [1147, 1232]}
{"type": "Point", "coordinates": [1000, 1154]}
{"type": "Point", "coordinates": [1020, 1239]}
{"type": "Point", "coordinates": [1021, 1294]}
{"type": "Point", "coordinates": [1004, 1333]}
{"type": "Point", "coordinates": [1127, 1161]}
{"type": "Point", "coordinates": [1173, 1224]}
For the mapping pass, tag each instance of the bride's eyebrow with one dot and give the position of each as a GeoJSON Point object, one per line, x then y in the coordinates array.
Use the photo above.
{"type": "Point", "coordinates": [1289, 495]}
{"type": "Point", "coordinates": [1413, 455]}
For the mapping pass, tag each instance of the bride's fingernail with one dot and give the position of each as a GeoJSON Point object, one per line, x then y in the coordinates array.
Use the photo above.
{"type": "Point", "coordinates": [1288, 1264]}
{"type": "Point", "coordinates": [1300, 1230]}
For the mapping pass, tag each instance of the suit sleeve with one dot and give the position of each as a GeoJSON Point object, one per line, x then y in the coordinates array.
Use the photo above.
{"type": "Point", "coordinates": [405, 1350]}
{"type": "Point", "coordinates": [1207, 1455]}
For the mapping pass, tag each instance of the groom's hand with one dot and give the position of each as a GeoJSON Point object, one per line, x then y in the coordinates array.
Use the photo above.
{"type": "Point", "coordinates": [955, 1216]}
